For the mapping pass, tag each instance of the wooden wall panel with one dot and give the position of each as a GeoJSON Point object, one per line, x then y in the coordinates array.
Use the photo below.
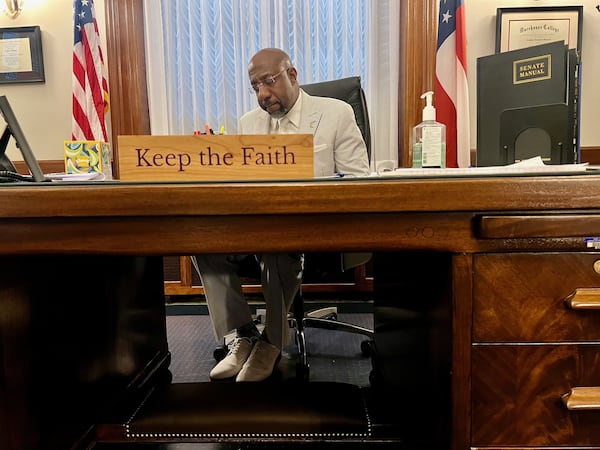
{"type": "Point", "coordinates": [126, 69]}
{"type": "Point", "coordinates": [418, 37]}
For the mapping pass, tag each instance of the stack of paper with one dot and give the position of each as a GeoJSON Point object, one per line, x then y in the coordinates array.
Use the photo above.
{"type": "Point", "coordinates": [530, 166]}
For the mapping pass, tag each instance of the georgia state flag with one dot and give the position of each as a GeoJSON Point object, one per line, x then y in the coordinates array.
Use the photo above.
{"type": "Point", "coordinates": [451, 89]}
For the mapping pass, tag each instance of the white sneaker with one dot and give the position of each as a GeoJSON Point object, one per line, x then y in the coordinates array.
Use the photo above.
{"type": "Point", "coordinates": [228, 367]}
{"type": "Point", "coordinates": [261, 362]}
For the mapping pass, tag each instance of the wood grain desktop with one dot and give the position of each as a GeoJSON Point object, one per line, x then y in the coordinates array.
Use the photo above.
{"type": "Point", "coordinates": [491, 343]}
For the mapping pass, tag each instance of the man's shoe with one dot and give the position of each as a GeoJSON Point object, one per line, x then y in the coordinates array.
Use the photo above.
{"type": "Point", "coordinates": [230, 366]}
{"type": "Point", "coordinates": [261, 362]}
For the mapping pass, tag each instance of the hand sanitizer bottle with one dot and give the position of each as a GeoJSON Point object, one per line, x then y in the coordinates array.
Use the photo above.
{"type": "Point", "coordinates": [429, 138]}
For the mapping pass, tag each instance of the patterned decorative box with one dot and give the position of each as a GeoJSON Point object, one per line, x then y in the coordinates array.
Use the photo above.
{"type": "Point", "coordinates": [88, 157]}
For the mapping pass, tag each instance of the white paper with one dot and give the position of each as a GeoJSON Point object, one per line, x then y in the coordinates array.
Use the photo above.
{"type": "Point", "coordinates": [95, 176]}
{"type": "Point", "coordinates": [530, 166]}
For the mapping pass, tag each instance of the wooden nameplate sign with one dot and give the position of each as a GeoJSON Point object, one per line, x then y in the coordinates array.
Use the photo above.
{"type": "Point", "coordinates": [215, 157]}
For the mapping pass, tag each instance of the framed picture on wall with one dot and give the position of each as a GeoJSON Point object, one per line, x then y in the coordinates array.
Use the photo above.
{"type": "Point", "coordinates": [518, 28]}
{"type": "Point", "coordinates": [21, 58]}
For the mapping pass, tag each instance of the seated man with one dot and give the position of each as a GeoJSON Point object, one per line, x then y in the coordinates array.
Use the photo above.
{"type": "Point", "coordinates": [339, 147]}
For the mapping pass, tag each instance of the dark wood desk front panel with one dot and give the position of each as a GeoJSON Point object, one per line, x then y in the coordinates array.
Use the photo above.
{"type": "Point", "coordinates": [530, 348]}
{"type": "Point", "coordinates": [517, 393]}
{"type": "Point", "coordinates": [521, 297]}
{"type": "Point", "coordinates": [78, 334]}
{"type": "Point", "coordinates": [75, 224]}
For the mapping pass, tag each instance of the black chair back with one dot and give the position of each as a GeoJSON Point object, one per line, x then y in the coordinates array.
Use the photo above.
{"type": "Point", "coordinates": [349, 90]}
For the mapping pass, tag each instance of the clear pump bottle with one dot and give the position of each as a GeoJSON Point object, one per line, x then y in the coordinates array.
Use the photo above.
{"type": "Point", "coordinates": [429, 138]}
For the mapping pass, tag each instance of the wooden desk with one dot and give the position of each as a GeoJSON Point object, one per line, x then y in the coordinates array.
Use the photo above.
{"type": "Point", "coordinates": [81, 303]}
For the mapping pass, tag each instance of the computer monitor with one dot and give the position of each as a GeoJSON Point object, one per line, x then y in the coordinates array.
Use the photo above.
{"type": "Point", "coordinates": [7, 169]}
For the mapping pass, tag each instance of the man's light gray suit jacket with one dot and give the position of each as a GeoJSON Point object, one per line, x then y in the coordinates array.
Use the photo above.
{"type": "Point", "coordinates": [339, 146]}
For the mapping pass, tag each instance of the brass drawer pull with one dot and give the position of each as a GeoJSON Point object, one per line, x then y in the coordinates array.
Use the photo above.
{"type": "Point", "coordinates": [584, 298]}
{"type": "Point", "coordinates": [582, 398]}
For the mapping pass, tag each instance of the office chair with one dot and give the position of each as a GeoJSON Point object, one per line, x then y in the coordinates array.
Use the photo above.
{"type": "Point", "coordinates": [350, 91]}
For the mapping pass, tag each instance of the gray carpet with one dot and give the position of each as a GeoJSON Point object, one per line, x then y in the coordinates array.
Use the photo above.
{"type": "Point", "coordinates": [333, 355]}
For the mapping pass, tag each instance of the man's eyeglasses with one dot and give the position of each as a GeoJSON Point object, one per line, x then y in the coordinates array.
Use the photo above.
{"type": "Point", "coordinates": [269, 81]}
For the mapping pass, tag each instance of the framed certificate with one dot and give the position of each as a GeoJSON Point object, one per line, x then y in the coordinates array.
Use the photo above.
{"type": "Point", "coordinates": [21, 58]}
{"type": "Point", "coordinates": [526, 27]}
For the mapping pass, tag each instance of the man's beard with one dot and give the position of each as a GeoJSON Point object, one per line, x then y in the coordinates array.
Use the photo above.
{"type": "Point", "coordinates": [278, 114]}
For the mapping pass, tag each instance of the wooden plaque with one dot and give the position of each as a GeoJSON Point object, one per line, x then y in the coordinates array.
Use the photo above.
{"type": "Point", "coordinates": [216, 157]}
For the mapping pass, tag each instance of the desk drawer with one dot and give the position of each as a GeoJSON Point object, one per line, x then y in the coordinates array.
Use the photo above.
{"type": "Point", "coordinates": [520, 297]}
{"type": "Point", "coordinates": [516, 395]}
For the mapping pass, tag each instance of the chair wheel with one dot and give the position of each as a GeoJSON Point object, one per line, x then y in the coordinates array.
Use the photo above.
{"type": "Point", "coordinates": [366, 347]}
{"type": "Point", "coordinates": [220, 352]}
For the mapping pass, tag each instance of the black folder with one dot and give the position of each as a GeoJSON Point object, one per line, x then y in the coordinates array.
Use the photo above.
{"type": "Point", "coordinates": [527, 105]}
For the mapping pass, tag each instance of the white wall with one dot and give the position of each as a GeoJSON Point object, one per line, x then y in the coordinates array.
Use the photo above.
{"type": "Point", "coordinates": [44, 110]}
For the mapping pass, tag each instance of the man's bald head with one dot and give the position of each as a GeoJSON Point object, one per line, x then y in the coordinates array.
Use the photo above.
{"type": "Point", "coordinates": [274, 79]}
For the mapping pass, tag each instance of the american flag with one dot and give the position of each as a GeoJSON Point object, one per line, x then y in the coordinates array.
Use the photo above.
{"type": "Point", "coordinates": [90, 88]}
{"type": "Point", "coordinates": [451, 89]}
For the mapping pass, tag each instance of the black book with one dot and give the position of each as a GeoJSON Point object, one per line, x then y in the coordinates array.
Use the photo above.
{"type": "Point", "coordinates": [527, 105]}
